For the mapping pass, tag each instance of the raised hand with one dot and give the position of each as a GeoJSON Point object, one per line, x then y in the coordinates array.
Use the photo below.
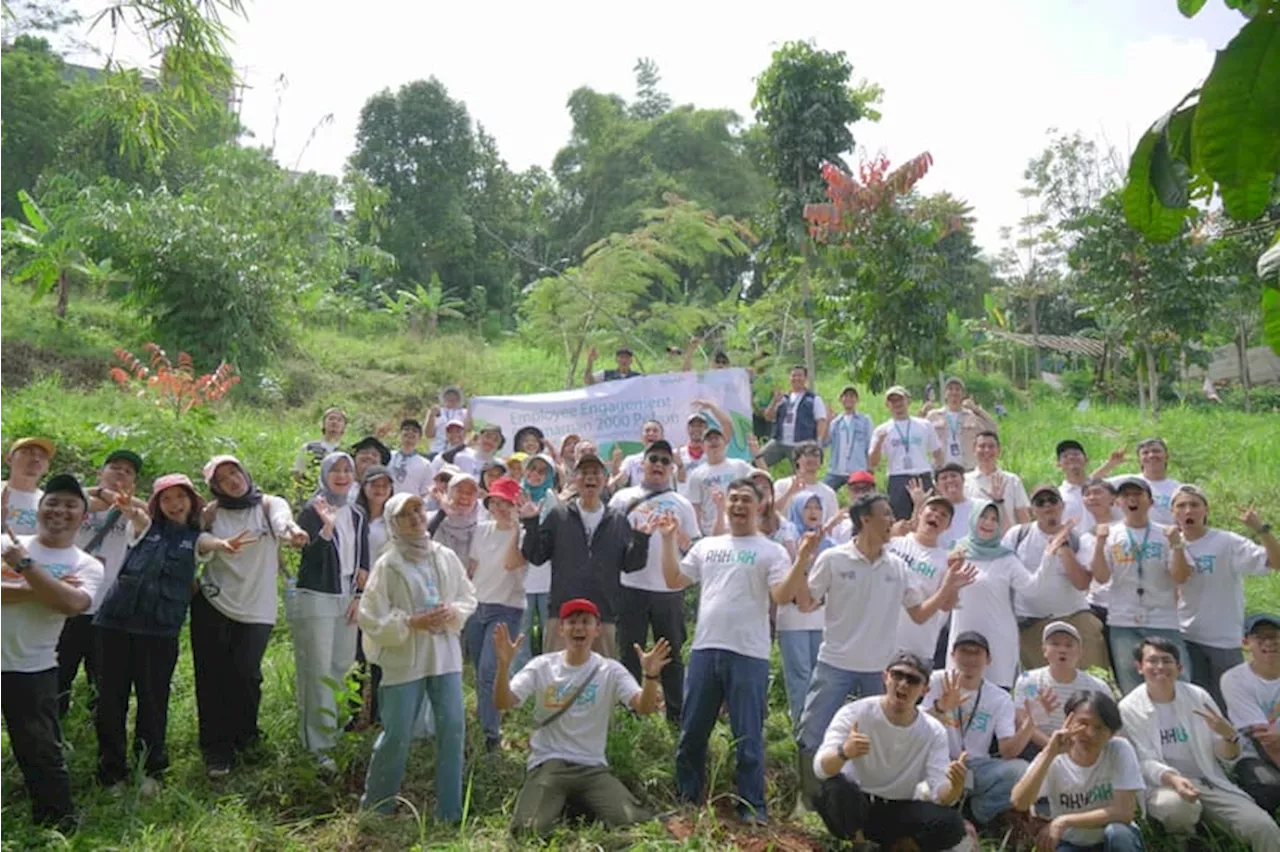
{"type": "Point", "coordinates": [1102, 531]}
{"type": "Point", "coordinates": [952, 697]}
{"type": "Point", "coordinates": [916, 490]}
{"type": "Point", "coordinates": [1216, 722]}
{"type": "Point", "coordinates": [959, 574]}
{"type": "Point", "coordinates": [526, 507]}
{"type": "Point", "coordinates": [753, 444]}
{"type": "Point", "coordinates": [718, 499]}
{"type": "Point", "coordinates": [1117, 455]}
{"type": "Point", "coordinates": [664, 524]}
{"type": "Point", "coordinates": [996, 488]}
{"type": "Point", "coordinates": [968, 403]}
{"type": "Point", "coordinates": [234, 544]}
{"type": "Point", "coordinates": [856, 745]}
{"type": "Point", "coordinates": [1048, 699]}
{"type": "Point", "coordinates": [1025, 717]}
{"type": "Point", "coordinates": [1060, 740]}
{"type": "Point", "coordinates": [327, 511]}
{"type": "Point", "coordinates": [504, 647]}
{"type": "Point", "coordinates": [15, 552]}
{"type": "Point", "coordinates": [1249, 517]}
{"type": "Point", "coordinates": [652, 662]}
{"type": "Point", "coordinates": [435, 411]}
{"type": "Point", "coordinates": [1061, 537]}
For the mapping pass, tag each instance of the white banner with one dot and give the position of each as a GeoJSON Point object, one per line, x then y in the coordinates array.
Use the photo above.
{"type": "Point", "coordinates": [609, 413]}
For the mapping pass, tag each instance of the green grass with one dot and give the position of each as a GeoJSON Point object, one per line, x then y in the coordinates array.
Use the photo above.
{"type": "Point", "coordinates": [283, 803]}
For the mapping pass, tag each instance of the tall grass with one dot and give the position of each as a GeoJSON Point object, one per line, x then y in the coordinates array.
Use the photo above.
{"type": "Point", "coordinates": [284, 803]}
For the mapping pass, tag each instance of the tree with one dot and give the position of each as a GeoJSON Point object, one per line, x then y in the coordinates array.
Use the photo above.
{"type": "Point", "coordinates": [421, 307]}
{"type": "Point", "coordinates": [38, 113]}
{"type": "Point", "coordinates": [651, 101]}
{"type": "Point", "coordinates": [805, 104]}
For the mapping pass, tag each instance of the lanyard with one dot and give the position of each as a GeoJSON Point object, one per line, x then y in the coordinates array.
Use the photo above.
{"type": "Point", "coordinates": [953, 426]}
{"type": "Point", "coordinates": [906, 440]}
{"type": "Point", "coordinates": [977, 699]}
{"type": "Point", "coordinates": [1140, 553]}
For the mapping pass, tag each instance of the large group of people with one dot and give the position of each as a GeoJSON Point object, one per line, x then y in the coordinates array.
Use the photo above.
{"type": "Point", "coordinates": [948, 646]}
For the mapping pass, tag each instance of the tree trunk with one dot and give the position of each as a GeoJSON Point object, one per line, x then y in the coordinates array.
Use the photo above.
{"type": "Point", "coordinates": [1142, 384]}
{"type": "Point", "coordinates": [433, 321]}
{"type": "Point", "coordinates": [808, 317]}
{"type": "Point", "coordinates": [1035, 332]}
{"type": "Point", "coordinates": [1242, 351]}
{"type": "Point", "coordinates": [64, 293]}
{"type": "Point", "coordinates": [1153, 377]}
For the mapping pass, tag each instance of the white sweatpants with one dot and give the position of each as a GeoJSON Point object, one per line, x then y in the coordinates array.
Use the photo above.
{"type": "Point", "coordinates": [1235, 812]}
{"type": "Point", "coordinates": [324, 649]}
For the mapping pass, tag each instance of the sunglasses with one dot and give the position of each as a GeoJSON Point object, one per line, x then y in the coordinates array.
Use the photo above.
{"type": "Point", "coordinates": [1045, 500]}
{"type": "Point", "coordinates": [657, 459]}
{"type": "Point", "coordinates": [909, 678]}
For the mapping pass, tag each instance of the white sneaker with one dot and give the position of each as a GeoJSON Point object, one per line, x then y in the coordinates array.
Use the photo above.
{"type": "Point", "coordinates": [150, 787]}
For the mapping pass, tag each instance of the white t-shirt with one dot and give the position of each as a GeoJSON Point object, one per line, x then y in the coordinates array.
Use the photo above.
{"type": "Point", "coordinates": [1052, 594]}
{"type": "Point", "coordinates": [910, 445]}
{"type": "Point", "coordinates": [671, 503]}
{"type": "Point", "coordinates": [1211, 602]}
{"type": "Point", "coordinates": [1157, 605]}
{"type": "Point", "coordinates": [977, 487]}
{"type": "Point", "coordinates": [900, 759]}
{"type": "Point", "coordinates": [1251, 700]}
{"type": "Point", "coordinates": [1099, 594]}
{"type": "Point", "coordinates": [1161, 497]}
{"type": "Point", "coordinates": [789, 421]}
{"type": "Point", "coordinates": [494, 583]}
{"type": "Point", "coordinates": [591, 520]}
{"type": "Point", "coordinates": [983, 714]}
{"type": "Point", "coordinates": [1072, 788]}
{"type": "Point", "coordinates": [842, 533]}
{"type": "Point", "coordinates": [446, 414]}
{"type": "Point", "coordinates": [580, 734]}
{"type": "Point", "coordinates": [736, 575]}
{"type": "Point", "coordinates": [690, 465]}
{"type": "Point", "coordinates": [1175, 742]}
{"type": "Point", "coordinates": [377, 538]}
{"type": "Point", "coordinates": [929, 565]}
{"type": "Point", "coordinates": [830, 502]}
{"type": "Point", "coordinates": [706, 480]}
{"type": "Point", "coordinates": [1031, 685]}
{"type": "Point", "coordinates": [864, 602]}
{"type": "Point", "coordinates": [22, 510]}
{"type": "Point", "coordinates": [31, 629]}
{"type": "Point", "coordinates": [410, 474]}
{"type": "Point", "coordinates": [1073, 505]}
{"type": "Point", "coordinates": [246, 581]}
{"type": "Point", "coordinates": [959, 527]}
{"type": "Point", "coordinates": [537, 578]}
{"type": "Point", "coordinates": [111, 552]}
{"type": "Point", "coordinates": [986, 606]}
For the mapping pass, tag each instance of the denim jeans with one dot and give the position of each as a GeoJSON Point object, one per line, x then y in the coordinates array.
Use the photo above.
{"type": "Point", "coordinates": [1125, 640]}
{"type": "Point", "coordinates": [799, 651]}
{"type": "Point", "coordinates": [828, 689]}
{"type": "Point", "coordinates": [488, 616]}
{"type": "Point", "coordinates": [400, 705]}
{"type": "Point", "coordinates": [1118, 837]}
{"type": "Point", "coordinates": [835, 481]}
{"type": "Point", "coordinates": [993, 780]}
{"type": "Point", "coordinates": [534, 605]}
{"type": "Point", "coordinates": [714, 677]}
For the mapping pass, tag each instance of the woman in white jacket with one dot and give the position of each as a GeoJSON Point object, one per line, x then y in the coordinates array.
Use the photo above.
{"type": "Point", "coordinates": [414, 606]}
{"type": "Point", "coordinates": [1183, 742]}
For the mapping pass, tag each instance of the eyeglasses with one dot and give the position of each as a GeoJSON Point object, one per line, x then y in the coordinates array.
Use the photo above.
{"type": "Point", "coordinates": [909, 678]}
{"type": "Point", "coordinates": [657, 459]}
{"type": "Point", "coordinates": [1046, 500]}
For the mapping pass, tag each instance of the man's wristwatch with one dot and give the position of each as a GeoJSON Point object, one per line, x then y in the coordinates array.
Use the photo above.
{"type": "Point", "coordinates": [840, 752]}
{"type": "Point", "coordinates": [1264, 529]}
{"type": "Point", "coordinates": [23, 564]}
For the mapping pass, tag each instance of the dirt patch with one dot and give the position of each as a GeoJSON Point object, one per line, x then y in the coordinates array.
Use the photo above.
{"type": "Point", "coordinates": [22, 363]}
{"type": "Point", "coordinates": [727, 831]}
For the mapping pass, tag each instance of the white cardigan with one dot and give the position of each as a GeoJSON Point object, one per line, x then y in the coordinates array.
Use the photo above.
{"type": "Point", "coordinates": [393, 594]}
{"type": "Point", "coordinates": [1142, 728]}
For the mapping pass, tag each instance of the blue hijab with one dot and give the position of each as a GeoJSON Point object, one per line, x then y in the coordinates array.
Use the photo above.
{"type": "Point", "coordinates": [795, 514]}
{"type": "Point", "coordinates": [982, 549]}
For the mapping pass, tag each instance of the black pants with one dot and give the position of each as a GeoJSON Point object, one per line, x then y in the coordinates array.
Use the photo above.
{"type": "Point", "coordinates": [846, 810]}
{"type": "Point", "coordinates": [29, 702]}
{"type": "Point", "coordinates": [900, 497]}
{"type": "Point", "coordinates": [1261, 780]}
{"type": "Point", "coordinates": [228, 664]}
{"type": "Point", "coordinates": [664, 612]}
{"type": "Point", "coordinates": [142, 664]}
{"type": "Point", "coordinates": [78, 642]}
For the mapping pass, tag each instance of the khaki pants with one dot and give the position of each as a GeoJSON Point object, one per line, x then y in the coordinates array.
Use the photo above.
{"type": "Point", "coordinates": [1031, 641]}
{"type": "Point", "coordinates": [549, 786]}
{"type": "Point", "coordinates": [1232, 811]}
{"type": "Point", "coordinates": [606, 644]}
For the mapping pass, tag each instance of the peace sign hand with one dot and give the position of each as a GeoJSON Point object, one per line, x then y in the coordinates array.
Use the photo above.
{"type": "Point", "coordinates": [1061, 739]}
{"type": "Point", "coordinates": [1216, 722]}
{"type": "Point", "coordinates": [234, 544]}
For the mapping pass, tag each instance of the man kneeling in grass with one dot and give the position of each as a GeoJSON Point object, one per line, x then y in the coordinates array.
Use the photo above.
{"type": "Point", "coordinates": [575, 690]}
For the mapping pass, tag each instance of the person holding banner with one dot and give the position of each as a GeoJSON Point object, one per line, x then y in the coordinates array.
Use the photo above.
{"type": "Point", "coordinates": [624, 357]}
{"type": "Point", "coordinates": [799, 416]}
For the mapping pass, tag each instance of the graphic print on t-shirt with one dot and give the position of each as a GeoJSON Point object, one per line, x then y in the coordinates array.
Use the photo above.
{"type": "Point", "coordinates": [1204, 564]}
{"type": "Point", "coordinates": [433, 592]}
{"type": "Point", "coordinates": [1099, 793]}
{"type": "Point", "coordinates": [557, 696]}
{"type": "Point", "coordinates": [1172, 736]}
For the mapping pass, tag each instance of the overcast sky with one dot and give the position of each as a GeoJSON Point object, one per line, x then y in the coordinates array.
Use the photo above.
{"type": "Point", "coordinates": [975, 83]}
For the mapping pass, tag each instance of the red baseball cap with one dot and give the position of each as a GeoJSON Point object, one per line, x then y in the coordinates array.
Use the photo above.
{"type": "Point", "coordinates": [862, 477]}
{"type": "Point", "coordinates": [568, 608]}
{"type": "Point", "coordinates": [504, 488]}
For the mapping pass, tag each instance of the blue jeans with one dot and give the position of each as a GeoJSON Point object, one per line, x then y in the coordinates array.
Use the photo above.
{"type": "Point", "coordinates": [1125, 640]}
{"type": "Point", "coordinates": [400, 705]}
{"type": "Point", "coordinates": [714, 677]}
{"type": "Point", "coordinates": [539, 605]}
{"type": "Point", "coordinates": [828, 689]}
{"type": "Point", "coordinates": [1119, 837]}
{"type": "Point", "coordinates": [993, 780]}
{"type": "Point", "coordinates": [835, 481]}
{"type": "Point", "coordinates": [799, 651]}
{"type": "Point", "coordinates": [487, 617]}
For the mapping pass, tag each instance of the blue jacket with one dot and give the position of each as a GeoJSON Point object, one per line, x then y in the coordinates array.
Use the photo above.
{"type": "Point", "coordinates": [153, 592]}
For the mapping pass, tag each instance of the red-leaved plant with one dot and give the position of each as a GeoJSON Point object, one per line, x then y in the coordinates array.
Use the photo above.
{"type": "Point", "coordinates": [176, 388]}
{"type": "Point", "coordinates": [855, 200]}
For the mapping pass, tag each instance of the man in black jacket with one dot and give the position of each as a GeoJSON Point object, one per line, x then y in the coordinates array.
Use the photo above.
{"type": "Point", "coordinates": [589, 546]}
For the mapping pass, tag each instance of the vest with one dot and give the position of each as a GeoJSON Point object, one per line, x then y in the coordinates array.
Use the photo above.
{"type": "Point", "coordinates": [615, 376]}
{"type": "Point", "coordinates": [153, 592]}
{"type": "Point", "coordinates": [806, 424]}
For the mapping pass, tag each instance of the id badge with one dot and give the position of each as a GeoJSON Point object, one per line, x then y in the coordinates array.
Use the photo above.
{"type": "Point", "coordinates": [955, 450]}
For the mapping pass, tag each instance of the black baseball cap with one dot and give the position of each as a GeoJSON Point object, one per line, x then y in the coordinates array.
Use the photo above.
{"type": "Point", "coordinates": [1068, 444]}
{"type": "Point", "coordinates": [64, 483]}
{"type": "Point", "coordinates": [911, 661]}
{"type": "Point", "coordinates": [972, 637]}
{"type": "Point", "coordinates": [369, 442]}
{"type": "Point", "coordinates": [587, 457]}
{"type": "Point", "coordinates": [1133, 482]}
{"type": "Point", "coordinates": [125, 455]}
{"type": "Point", "coordinates": [660, 444]}
{"type": "Point", "coordinates": [1258, 619]}
{"type": "Point", "coordinates": [623, 350]}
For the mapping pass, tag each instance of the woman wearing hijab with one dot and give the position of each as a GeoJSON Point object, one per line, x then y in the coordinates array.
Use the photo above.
{"type": "Point", "coordinates": [541, 486]}
{"type": "Point", "coordinates": [412, 612]}
{"type": "Point", "coordinates": [376, 488]}
{"type": "Point", "coordinates": [232, 616]}
{"type": "Point", "coordinates": [800, 631]}
{"type": "Point", "coordinates": [986, 605]}
{"type": "Point", "coordinates": [322, 609]}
